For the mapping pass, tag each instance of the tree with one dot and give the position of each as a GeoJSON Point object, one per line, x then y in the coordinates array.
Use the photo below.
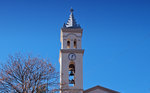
{"type": "Point", "coordinates": [26, 74]}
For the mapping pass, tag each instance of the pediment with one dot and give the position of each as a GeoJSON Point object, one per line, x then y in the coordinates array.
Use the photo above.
{"type": "Point", "coordinates": [99, 89]}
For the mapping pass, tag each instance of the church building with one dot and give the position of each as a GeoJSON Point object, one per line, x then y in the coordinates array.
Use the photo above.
{"type": "Point", "coordinates": [71, 60]}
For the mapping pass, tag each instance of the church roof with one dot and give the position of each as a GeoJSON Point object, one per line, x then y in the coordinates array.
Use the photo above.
{"type": "Point", "coordinates": [71, 23]}
{"type": "Point", "coordinates": [100, 88]}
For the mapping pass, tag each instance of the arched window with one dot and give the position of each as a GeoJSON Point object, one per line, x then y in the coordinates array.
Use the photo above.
{"type": "Point", "coordinates": [71, 74]}
{"type": "Point", "coordinates": [75, 43]}
{"type": "Point", "coordinates": [72, 67]}
{"type": "Point", "coordinates": [68, 43]}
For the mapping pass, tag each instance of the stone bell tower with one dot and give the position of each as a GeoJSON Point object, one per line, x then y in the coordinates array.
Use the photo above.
{"type": "Point", "coordinates": [71, 57]}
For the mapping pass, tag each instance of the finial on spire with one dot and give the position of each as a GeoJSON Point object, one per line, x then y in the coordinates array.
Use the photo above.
{"type": "Point", "coordinates": [71, 10]}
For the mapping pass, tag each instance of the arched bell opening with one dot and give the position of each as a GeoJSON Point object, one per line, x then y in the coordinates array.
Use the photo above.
{"type": "Point", "coordinates": [75, 43]}
{"type": "Point", "coordinates": [72, 74]}
{"type": "Point", "coordinates": [68, 43]}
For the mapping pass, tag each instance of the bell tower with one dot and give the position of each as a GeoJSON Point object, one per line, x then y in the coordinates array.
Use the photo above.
{"type": "Point", "coordinates": [71, 57]}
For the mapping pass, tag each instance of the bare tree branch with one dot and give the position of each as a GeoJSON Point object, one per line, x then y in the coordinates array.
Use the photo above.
{"type": "Point", "coordinates": [26, 74]}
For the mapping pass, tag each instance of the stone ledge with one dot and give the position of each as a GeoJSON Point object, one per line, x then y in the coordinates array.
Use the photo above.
{"type": "Point", "coordinates": [75, 30]}
{"type": "Point", "coordinates": [72, 51]}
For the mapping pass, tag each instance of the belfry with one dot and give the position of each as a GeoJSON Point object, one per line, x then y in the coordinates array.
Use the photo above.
{"type": "Point", "coordinates": [71, 57]}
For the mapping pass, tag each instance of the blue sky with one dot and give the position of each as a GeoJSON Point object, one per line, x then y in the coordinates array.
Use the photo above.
{"type": "Point", "coordinates": [116, 37]}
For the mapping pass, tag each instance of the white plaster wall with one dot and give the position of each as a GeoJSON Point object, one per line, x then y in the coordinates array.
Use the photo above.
{"type": "Point", "coordinates": [64, 71]}
{"type": "Point", "coordinates": [64, 63]}
{"type": "Point", "coordinates": [79, 71]}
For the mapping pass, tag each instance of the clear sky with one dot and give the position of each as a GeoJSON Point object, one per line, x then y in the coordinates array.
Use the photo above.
{"type": "Point", "coordinates": [116, 37]}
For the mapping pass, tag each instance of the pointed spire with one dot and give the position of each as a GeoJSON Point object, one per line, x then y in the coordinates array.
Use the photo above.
{"type": "Point", "coordinates": [71, 23]}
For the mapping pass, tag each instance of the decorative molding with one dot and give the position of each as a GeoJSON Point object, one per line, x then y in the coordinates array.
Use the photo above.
{"type": "Point", "coordinates": [72, 51]}
{"type": "Point", "coordinates": [72, 34]}
{"type": "Point", "coordinates": [72, 30]}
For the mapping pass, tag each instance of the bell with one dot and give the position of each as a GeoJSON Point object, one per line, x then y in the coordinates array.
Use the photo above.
{"type": "Point", "coordinates": [71, 81]}
{"type": "Point", "coordinates": [71, 73]}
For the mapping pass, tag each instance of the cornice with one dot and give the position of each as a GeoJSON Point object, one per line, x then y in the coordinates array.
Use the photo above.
{"type": "Point", "coordinates": [72, 30]}
{"type": "Point", "coordinates": [72, 51]}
